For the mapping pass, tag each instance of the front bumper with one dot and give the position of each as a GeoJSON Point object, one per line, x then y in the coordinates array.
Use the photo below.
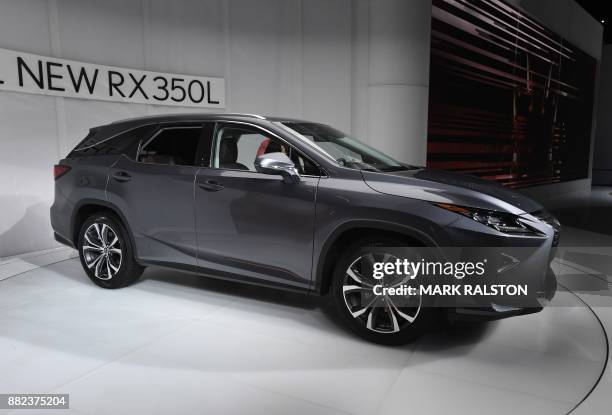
{"type": "Point", "coordinates": [496, 311]}
{"type": "Point", "coordinates": [532, 254]}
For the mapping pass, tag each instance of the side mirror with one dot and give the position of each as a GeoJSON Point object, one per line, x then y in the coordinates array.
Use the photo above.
{"type": "Point", "coordinates": [277, 163]}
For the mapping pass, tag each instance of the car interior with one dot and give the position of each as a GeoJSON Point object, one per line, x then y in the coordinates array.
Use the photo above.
{"type": "Point", "coordinates": [237, 149]}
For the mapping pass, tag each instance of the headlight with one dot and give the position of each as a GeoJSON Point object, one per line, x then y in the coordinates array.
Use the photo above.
{"type": "Point", "coordinates": [500, 221]}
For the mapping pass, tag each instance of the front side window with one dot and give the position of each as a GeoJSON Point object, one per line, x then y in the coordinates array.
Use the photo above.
{"type": "Point", "coordinates": [346, 151]}
{"type": "Point", "coordinates": [175, 146]}
{"type": "Point", "coordinates": [237, 147]}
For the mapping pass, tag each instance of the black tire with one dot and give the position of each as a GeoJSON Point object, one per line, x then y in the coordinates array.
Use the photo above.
{"type": "Point", "coordinates": [106, 252]}
{"type": "Point", "coordinates": [407, 332]}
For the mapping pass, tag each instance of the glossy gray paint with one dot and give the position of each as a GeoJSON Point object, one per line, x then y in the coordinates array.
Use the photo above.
{"type": "Point", "coordinates": [257, 225]}
{"type": "Point", "coordinates": [261, 229]}
{"type": "Point", "coordinates": [157, 203]}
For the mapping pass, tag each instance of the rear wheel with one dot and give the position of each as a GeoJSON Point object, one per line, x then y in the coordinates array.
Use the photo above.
{"type": "Point", "coordinates": [379, 318]}
{"type": "Point", "coordinates": [106, 252]}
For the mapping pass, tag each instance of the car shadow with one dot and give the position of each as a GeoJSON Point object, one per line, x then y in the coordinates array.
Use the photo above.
{"type": "Point", "coordinates": [24, 234]}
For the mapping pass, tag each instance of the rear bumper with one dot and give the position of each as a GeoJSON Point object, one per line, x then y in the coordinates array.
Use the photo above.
{"type": "Point", "coordinates": [59, 238]}
{"type": "Point", "coordinates": [60, 214]}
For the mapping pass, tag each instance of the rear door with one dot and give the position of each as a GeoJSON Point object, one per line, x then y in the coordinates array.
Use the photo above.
{"type": "Point", "coordinates": [154, 190]}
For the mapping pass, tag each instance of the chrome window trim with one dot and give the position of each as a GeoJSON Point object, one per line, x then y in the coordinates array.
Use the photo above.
{"type": "Point", "coordinates": [244, 114]}
{"type": "Point", "coordinates": [261, 117]}
{"type": "Point", "coordinates": [116, 135]}
{"type": "Point", "coordinates": [323, 175]}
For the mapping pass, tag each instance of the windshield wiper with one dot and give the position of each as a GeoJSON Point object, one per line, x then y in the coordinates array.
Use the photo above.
{"type": "Point", "coordinates": [411, 167]}
{"type": "Point", "coordinates": [356, 164]}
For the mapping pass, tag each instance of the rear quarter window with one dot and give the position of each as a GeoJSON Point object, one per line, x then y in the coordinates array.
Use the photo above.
{"type": "Point", "coordinates": [124, 143]}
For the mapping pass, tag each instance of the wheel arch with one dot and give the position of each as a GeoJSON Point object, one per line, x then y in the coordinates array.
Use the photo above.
{"type": "Point", "coordinates": [346, 233]}
{"type": "Point", "coordinates": [87, 207]}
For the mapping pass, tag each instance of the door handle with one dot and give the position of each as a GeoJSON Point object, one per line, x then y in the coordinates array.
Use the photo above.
{"type": "Point", "coordinates": [211, 186]}
{"type": "Point", "coordinates": [122, 176]}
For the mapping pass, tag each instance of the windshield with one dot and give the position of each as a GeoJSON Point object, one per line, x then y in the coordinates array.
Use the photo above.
{"type": "Point", "coordinates": [346, 151]}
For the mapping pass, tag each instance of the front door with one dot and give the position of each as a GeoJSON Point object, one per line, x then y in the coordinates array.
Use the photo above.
{"type": "Point", "coordinates": [251, 224]}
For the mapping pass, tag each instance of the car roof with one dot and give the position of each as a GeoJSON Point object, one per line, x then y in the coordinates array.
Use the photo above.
{"type": "Point", "coordinates": [203, 116]}
{"type": "Point", "coordinates": [104, 132]}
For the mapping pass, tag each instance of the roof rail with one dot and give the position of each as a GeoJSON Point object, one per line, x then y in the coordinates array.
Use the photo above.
{"type": "Point", "coordinates": [261, 117]}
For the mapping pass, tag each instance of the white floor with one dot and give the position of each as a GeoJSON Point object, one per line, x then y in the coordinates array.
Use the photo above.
{"type": "Point", "coordinates": [181, 344]}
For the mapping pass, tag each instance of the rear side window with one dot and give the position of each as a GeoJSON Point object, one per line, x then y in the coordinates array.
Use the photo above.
{"type": "Point", "coordinates": [172, 146]}
{"type": "Point", "coordinates": [125, 143]}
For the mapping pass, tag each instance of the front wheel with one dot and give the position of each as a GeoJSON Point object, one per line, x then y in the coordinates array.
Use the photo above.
{"type": "Point", "coordinates": [106, 252]}
{"type": "Point", "coordinates": [379, 318]}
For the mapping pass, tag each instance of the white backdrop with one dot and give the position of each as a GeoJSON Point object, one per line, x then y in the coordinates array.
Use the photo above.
{"type": "Point", "coordinates": [361, 65]}
{"type": "Point", "coordinates": [349, 63]}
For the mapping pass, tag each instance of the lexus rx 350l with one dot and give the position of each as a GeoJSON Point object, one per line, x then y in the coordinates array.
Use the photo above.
{"type": "Point", "coordinates": [285, 203]}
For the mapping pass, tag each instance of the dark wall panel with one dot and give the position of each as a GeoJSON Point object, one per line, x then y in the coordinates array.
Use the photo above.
{"type": "Point", "coordinates": [509, 100]}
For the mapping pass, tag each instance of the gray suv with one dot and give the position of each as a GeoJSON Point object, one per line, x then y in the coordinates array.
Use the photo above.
{"type": "Point", "coordinates": [284, 203]}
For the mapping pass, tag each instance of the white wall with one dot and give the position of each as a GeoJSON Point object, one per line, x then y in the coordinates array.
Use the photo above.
{"type": "Point", "coordinates": [352, 63]}
{"type": "Point", "coordinates": [391, 76]}
{"type": "Point", "coordinates": [361, 65]}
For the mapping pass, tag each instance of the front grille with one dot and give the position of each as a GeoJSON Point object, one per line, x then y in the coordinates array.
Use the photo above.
{"type": "Point", "coordinates": [548, 218]}
{"type": "Point", "coordinates": [556, 238]}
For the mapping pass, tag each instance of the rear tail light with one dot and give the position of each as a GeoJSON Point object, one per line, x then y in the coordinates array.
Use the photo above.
{"type": "Point", "coordinates": [59, 170]}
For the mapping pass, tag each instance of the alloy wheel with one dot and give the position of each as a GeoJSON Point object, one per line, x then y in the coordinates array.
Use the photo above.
{"type": "Point", "coordinates": [102, 250]}
{"type": "Point", "coordinates": [379, 313]}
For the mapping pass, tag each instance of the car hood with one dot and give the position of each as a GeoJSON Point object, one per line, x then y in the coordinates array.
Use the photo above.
{"type": "Point", "coordinates": [449, 187]}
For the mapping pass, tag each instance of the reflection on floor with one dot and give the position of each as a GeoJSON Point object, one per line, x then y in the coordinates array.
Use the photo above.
{"type": "Point", "coordinates": [587, 250]}
{"type": "Point", "coordinates": [177, 343]}
{"type": "Point", "coordinates": [16, 265]}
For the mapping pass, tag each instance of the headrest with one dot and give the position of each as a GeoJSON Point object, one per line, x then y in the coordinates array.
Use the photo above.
{"type": "Point", "coordinates": [228, 150]}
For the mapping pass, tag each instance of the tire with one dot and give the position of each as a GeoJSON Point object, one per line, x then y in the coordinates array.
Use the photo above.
{"type": "Point", "coordinates": [374, 323]}
{"type": "Point", "coordinates": [106, 252]}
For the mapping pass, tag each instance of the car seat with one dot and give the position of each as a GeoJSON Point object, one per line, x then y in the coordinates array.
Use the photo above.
{"type": "Point", "coordinates": [228, 154]}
